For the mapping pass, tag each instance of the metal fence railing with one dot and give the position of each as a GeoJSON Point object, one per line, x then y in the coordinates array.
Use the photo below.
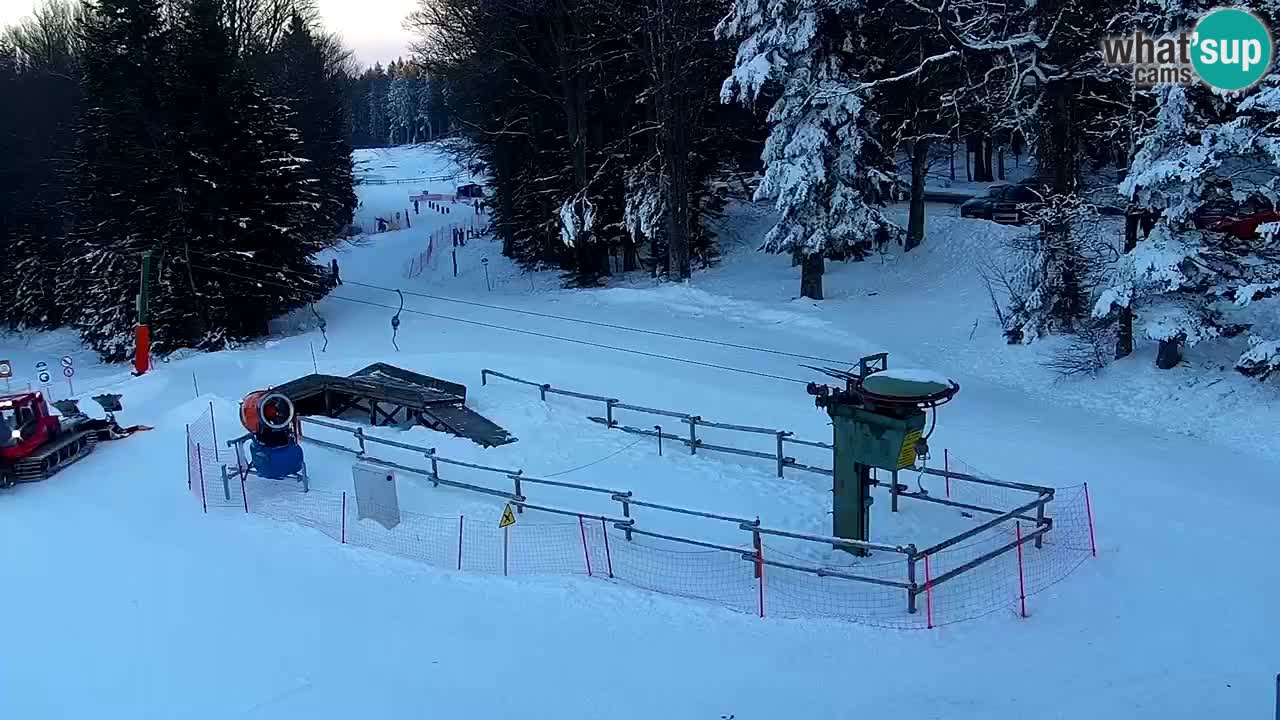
{"type": "Point", "coordinates": [968, 575]}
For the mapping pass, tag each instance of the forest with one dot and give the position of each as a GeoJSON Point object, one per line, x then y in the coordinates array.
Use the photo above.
{"type": "Point", "coordinates": [148, 142]}
{"type": "Point", "coordinates": [613, 136]}
{"type": "Point", "coordinates": [607, 128]}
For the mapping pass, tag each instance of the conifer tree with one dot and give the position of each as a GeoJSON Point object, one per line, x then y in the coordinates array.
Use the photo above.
{"type": "Point", "coordinates": [125, 187]}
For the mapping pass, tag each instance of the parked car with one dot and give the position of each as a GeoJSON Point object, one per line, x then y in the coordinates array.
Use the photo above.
{"type": "Point", "coordinates": [1005, 201]}
{"type": "Point", "coordinates": [1246, 227]}
{"type": "Point", "coordinates": [1014, 202]}
{"type": "Point", "coordinates": [1239, 220]}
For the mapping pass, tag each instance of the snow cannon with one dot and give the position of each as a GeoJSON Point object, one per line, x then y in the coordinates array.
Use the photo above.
{"type": "Point", "coordinates": [270, 419]}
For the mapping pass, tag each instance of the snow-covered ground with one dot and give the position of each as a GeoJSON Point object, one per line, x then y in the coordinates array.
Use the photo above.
{"type": "Point", "coordinates": [120, 599]}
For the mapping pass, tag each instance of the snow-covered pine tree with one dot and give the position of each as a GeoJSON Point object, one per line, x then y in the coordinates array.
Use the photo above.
{"type": "Point", "coordinates": [40, 92]}
{"type": "Point", "coordinates": [308, 75]}
{"type": "Point", "coordinates": [423, 127]}
{"type": "Point", "coordinates": [402, 109]}
{"type": "Point", "coordinates": [10, 95]}
{"type": "Point", "coordinates": [379, 125]}
{"type": "Point", "coordinates": [245, 196]}
{"type": "Point", "coordinates": [123, 182]}
{"type": "Point", "coordinates": [1186, 283]}
{"type": "Point", "coordinates": [1077, 108]}
{"type": "Point", "coordinates": [823, 168]}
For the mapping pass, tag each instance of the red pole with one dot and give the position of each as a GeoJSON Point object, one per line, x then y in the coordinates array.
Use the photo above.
{"type": "Point", "coordinates": [1093, 545]}
{"type": "Point", "coordinates": [142, 350]}
{"type": "Point", "coordinates": [1022, 586]}
{"type": "Point", "coordinates": [585, 554]}
{"type": "Point", "coordinates": [505, 536]}
{"type": "Point", "coordinates": [946, 468]}
{"type": "Point", "coordinates": [607, 557]}
{"type": "Point", "coordinates": [460, 542]}
{"type": "Point", "coordinates": [343, 537]}
{"type": "Point", "coordinates": [200, 464]}
{"type": "Point", "coordinates": [928, 593]}
{"type": "Point", "coordinates": [760, 566]}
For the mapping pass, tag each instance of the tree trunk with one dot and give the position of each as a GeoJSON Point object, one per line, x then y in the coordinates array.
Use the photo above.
{"type": "Point", "coordinates": [1169, 354]}
{"type": "Point", "coordinates": [811, 269]}
{"type": "Point", "coordinates": [919, 169]}
{"type": "Point", "coordinates": [1001, 165]}
{"type": "Point", "coordinates": [592, 261]}
{"type": "Point", "coordinates": [673, 140]}
{"type": "Point", "coordinates": [1060, 140]}
{"type": "Point", "coordinates": [987, 175]}
{"type": "Point", "coordinates": [968, 150]}
{"type": "Point", "coordinates": [951, 157]}
{"type": "Point", "coordinates": [1124, 339]}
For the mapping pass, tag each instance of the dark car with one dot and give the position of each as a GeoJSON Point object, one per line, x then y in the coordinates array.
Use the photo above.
{"type": "Point", "coordinates": [1004, 203]}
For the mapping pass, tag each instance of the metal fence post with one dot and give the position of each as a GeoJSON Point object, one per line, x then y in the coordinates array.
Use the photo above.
{"type": "Point", "coordinates": [516, 478]}
{"type": "Point", "coordinates": [911, 580]}
{"type": "Point", "coordinates": [608, 558]}
{"type": "Point", "coordinates": [626, 511]}
{"type": "Point", "coordinates": [213, 425]}
{"type": "Point", "coordinates": [893, 492]}
{"type": "Point", "coordinates": [758, 545]}
{"type": "Point", "coordinates": [693, 434]}
{"type": "Point", "coordinates": [435, 468]}
{"type": "Point", "coordinates": [359, 433]}
{"type": "Point", "coordinates": [542, 389]}
{"type": "Point", "coordinates": [586, 554]}
{"type": "Point", "coordinates": [1039, 524]}
{"type": "Point", "coordinates": [204, 503]}
{"type": "Point", "coordinates": [608, 413]}
{"type": "Point", "coordinates": [782, 460]}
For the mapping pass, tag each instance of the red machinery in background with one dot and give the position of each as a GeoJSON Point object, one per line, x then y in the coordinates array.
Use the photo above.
{"type": "Point", "coordinates": [35, 444]}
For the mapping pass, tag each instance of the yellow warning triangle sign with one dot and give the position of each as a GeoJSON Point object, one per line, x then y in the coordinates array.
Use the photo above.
{"type": "Point", "coordinates": [508, 518]}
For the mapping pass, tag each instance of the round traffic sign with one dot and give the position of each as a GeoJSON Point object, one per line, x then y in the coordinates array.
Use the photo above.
{"type": "Point", "coordinates": [44, 376]}
{"type": "Point", "coordinates": [5, 368]}
{"type": "Point", "coordinates": [68, 371]}
{"type": "Point", "coordinates": [42, 366]}
{"type": "Point", "coordinates": [67, 361]}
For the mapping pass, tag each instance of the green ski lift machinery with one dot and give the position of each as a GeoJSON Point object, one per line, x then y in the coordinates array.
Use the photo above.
{"type": "Point", "coordinates": [878, 421]}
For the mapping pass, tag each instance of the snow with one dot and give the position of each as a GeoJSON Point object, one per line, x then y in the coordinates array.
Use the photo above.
{"type": "Point", "coordinates": [122, 600]}
{"type": "Point", "coordinates": [916, 375]}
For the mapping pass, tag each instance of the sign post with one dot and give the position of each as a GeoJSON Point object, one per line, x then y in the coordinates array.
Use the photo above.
{"type": "Point", "coordinates": [508, 519]}
{"type": "Point", "coordinates": [142, 339]}
{"type": "Point", "coordinates": [42, 373]}
{"type": "Point", "coordinates": [69, 370]}
{"type": "Point", "coordinates": [6, 372]}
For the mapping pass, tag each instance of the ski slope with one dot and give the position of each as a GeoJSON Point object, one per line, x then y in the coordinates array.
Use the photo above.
{"type": "Point", "coordinates": [120, 599]}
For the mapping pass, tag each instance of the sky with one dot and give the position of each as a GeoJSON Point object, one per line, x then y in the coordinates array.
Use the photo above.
{"type": "Point", "coordinates": [372, 28]}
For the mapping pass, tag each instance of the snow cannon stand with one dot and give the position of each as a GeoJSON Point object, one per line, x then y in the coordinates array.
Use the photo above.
{"type": "Point", "coordinates": [270, 449]}
{"type": "Point", "coordinates": [878, 421]}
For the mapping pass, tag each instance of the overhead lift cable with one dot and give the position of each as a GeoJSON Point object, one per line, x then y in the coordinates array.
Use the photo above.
{"type": "Point", "coordinates": [532, 333]}
{"type": "Point", "coordinates": [581, 321]}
